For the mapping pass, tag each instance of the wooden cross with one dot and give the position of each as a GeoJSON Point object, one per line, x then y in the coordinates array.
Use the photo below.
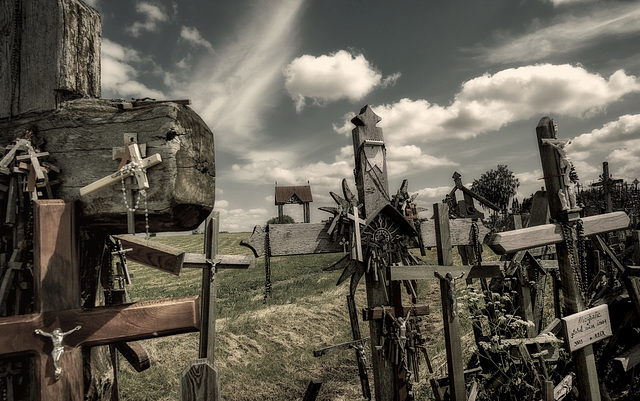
{"type": "Point", "coordinates": [607, 184]}
{"type": "Point", "coordinates": [57, 302]}
{"type": "Point", "coordinates": [356, 241]}
{"type": "Point", "coordinates": [512, 241]}
{"type": "Point", "coordinates": [200, 381]}
{"type": "Point", "coordinates": [372, 185]}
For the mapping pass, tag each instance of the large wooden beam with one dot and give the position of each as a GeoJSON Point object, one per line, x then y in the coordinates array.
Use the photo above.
{"type": "Point", "coordinates": [50, 51]}
{"type": "Point", "coordinates": [531, 237]}
{"type": "Point", "coordinates": [80, 137]}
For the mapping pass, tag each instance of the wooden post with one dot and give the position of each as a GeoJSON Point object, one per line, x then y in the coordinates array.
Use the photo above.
{"type": "Point", "coordinates": [449, 314]}
{"type": "Point", "coordinates": [200, 381]}
{"type": "Point", "coordinates": [607, 183]}
{"type": "Point", "coordinates": [373, 193]}
{"type": "Point", "coordinates": [587, 374]}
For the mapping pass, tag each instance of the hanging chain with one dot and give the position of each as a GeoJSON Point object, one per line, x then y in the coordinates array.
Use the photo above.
{"type": "Point", "coordinates": [475, 240]}
{"type": "Point", "coordinates": [267, 266]}
{"type": "Point", "coordinates": [582, 255]}
{"type": "Point", "coordinates": [125, 171]}
{"type": "Point", "coordinates": [567, 233]}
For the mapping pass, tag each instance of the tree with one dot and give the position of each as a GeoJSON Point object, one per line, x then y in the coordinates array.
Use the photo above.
{"type": "Point", "coordinates": [286, 219]}
{"type": "Point", "coordinates": [497, 186]}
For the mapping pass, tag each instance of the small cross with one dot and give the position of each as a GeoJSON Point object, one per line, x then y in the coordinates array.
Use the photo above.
{"type": "Point", "coordinates": [356, 243]}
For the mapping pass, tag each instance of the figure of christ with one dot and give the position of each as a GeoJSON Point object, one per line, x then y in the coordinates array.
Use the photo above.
{"type": "Point", "coordinates": [566, 194]}
{"type": "Point", "coordinates": [57, 336]}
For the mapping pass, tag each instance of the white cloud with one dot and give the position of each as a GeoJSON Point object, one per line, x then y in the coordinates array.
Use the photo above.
{"type": "Point", "coordinates": [627, 127]}
{"type": "Point", "coordinates": [92, 3]}
{"type": "Point", "coordinates": [327, 78]}
{"type": "Point", "coordinates": [242, 220]}
{"type": "Point", "coordinates": [152, 16]}
{"type": "Point", "coordinates": [119, 77]}
{"type": "Point", "coordinates": [193, 36]}
{"type": "Point", "coordinates": [568, 33]}
{"type": "Point", "coordinates": [409, 158]}
{"type": "Point", "coordinates": [489, 102]}
{"type": "Point", "coordinates": [625, 160]}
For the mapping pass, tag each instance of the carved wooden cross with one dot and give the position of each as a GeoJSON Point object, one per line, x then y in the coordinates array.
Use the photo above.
{"type": "Point", "coordinates": [607, 185]}
{"type": "Point", "coordinates": [57, 301]}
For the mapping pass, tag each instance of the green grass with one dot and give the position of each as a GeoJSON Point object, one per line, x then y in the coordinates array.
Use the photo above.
{"type": "Point", "coordinates": [264, 351]}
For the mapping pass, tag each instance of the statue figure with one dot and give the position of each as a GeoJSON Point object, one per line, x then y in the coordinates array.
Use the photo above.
{"type": "Point", "coordinates": [57, 335]}
{"type": "Point", "coordinates": [566, 194]}
{"type": "Point", "coordinates": [451, 290]}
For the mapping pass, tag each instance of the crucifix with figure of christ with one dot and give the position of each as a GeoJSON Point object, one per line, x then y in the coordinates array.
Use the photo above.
{"type": "Point", "coordinates": [51, 90]}
{"type": "Point", "coordinates": [564, 233]}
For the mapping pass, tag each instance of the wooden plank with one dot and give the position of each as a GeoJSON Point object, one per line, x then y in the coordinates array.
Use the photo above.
{"type": "Point", "coordinates": [200, 381]}
{"type": "Point", "coordinates": [517, 240]}
{"type": "Point", "coordinates": [135, 354]}
{"type": "Point", "coordinates": [312, 390]}
{"type": "Point", "coordinates": [376, 313]}
{"type": "Point", "coordinates": [199, 261]}
{"type": "Point", "coordinates": [300, 239]}
{"type": "Point", "coordinates": [103, 324]}
{"type": "Point", "coordinates": [630, 358]}
{"type": "Point", "coordinates": [425, 272]}
{"type": "Point", "coordinates": [151, 253]}
{"type": "Point", "coordinates": [459, 229]}
{"type": "Point", "coordinates": [340, 347]}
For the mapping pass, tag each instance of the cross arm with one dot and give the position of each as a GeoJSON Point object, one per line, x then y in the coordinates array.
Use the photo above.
{"type": "Point", "coordinates": [425, 272]}
{"type": "Point", "coordinates": [117, 176]}
{"type": "Point", "coordinates": [101, 325]}
{"type": "Point", "coordinates": [199, 261]}
{"type": "Point", "coordinates": [531, 237]}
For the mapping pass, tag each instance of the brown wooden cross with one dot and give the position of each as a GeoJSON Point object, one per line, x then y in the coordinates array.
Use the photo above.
{"type": "Point", "coordinates": [57, 302]}
{"type": "Point", "coordinates": [607, 183]}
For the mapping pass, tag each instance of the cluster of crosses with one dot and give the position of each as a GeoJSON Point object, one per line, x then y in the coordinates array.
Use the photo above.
{"type": "Point", "coordinates": [76, 184]}
{"type": "Point", "coordinates": [74, 195]}
{"type": "Point", "coordinates": [375, 231]}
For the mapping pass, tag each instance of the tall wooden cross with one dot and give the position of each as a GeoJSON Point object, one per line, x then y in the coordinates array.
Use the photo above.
{"type": "Point", "coordinates": [607, 183]}
{"type": "Point", "coordinates": [59, 367]}
{"type": "Point", "coordinates": [562, 235]}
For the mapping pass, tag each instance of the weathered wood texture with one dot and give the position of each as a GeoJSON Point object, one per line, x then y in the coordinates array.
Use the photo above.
{"type": "Point", "coordinates": [200, 381]}
{"type": "Point", "coordinates": [80, 136]}
{"type": "Point", "coordinates": [460, 232]}
{"type": "Point", "coordinates": [292, 239]}
{"type": "Point", "coordinates": [103, 324]}
{"type": "Point", "coordinates": [56, 287]}
{"type": "Point", "coordinates": [531, 237]}
{"type": "Point", "coordinates": [151, 253]}
{"type": "Point", "coordinates": [573, 302]}
{"type": "Point", "coordinates": [450, 317]}
{"type": "Point", "coordinates": [57, 54]}
{"type": "Point", "coordinates": [373, 192]}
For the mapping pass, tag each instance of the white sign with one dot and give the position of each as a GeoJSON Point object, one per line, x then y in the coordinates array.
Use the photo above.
{"type": "Point", "coordinates": [587, 327]}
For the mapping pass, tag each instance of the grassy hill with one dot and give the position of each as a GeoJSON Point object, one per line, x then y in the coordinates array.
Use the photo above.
{"type": "Point", "coordinates": [264, 351]}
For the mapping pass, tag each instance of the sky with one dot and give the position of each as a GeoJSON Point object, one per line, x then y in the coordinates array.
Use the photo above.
{"type": "Point", "coordinates": [458, 85]}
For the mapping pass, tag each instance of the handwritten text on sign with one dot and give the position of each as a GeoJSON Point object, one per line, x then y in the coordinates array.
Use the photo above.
{"type": "Point", "coordinates": [587, 327]}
